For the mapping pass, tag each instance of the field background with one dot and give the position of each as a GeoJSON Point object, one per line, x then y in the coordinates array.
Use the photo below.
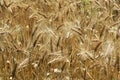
{"type": "Point", "coordinates": [59, 40]}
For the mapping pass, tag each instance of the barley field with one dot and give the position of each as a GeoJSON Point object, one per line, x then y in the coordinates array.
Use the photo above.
{"type": "Point", "coordinates": [59, 40]}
